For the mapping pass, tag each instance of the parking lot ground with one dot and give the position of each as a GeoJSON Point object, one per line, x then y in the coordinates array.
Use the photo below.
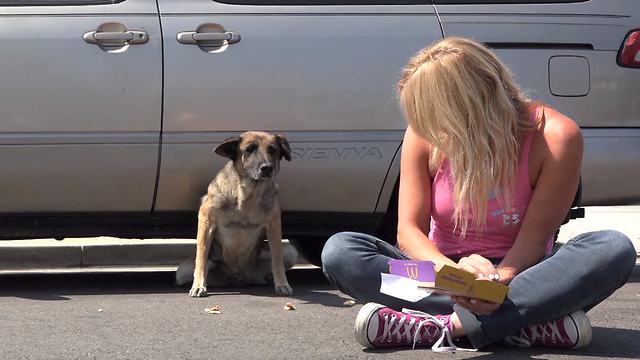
{"type": "Point", "coordinates": [143, 316]}
{"type": "Point", "coordinates": [123, 305]}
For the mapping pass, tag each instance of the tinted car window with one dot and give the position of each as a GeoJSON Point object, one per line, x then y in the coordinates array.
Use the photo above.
{"type": "Point", "coordinates": [489, 2]}
{"type": "Point", "coordinates": [57, 2]}
{"type": "Point", "coordinates": [389, 2]}
{"type": "Point", "coordinates": [324, 2]}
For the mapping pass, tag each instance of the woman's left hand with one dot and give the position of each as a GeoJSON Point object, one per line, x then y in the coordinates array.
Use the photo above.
{"type": "Point", "coordinates": [476, 306]}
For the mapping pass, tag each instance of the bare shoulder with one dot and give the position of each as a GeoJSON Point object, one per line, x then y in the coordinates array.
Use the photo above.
{"type": "Point", "coordinates": [560, 132]}
{"type": "Point", "coordinates": [557, 137]}
{"type": "Point", "coordinates": [557, 140]}
{"type": "Point", "coordinates": [412, 140]}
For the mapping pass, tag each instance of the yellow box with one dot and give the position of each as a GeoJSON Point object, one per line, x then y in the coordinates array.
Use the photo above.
{"type": "Point", "coordinates": [453, 281]}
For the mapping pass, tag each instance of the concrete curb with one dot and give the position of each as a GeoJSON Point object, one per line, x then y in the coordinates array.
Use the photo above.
{"type": "Point", "coordinates": [99, 254]}
{"type": "Point", "coordinates": [137, 254]}
{"type": "Point", "coordinates": [30, 257]}
{"type": "Point", "coordinates": [87, 253]}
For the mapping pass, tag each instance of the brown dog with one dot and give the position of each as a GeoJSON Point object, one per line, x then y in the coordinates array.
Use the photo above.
{"type": "Point", "coordinates": [240, 208]}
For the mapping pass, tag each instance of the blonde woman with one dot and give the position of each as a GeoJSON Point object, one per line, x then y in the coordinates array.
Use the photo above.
{"type": "Point", "coordinates": [487, 177]}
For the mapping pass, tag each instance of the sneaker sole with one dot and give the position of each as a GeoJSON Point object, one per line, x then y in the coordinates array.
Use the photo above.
{"type": "Point", "coordinates": [362, 323]}
{"type": "Point", "coordinates": [582, 322]}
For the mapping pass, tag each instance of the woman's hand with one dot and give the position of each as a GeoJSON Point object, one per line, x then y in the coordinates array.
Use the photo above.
{"type": "Point", "coordinates": [506, 275]}
{"type": "Point", "coordinates": [477, 306]}
{"type": "Point", "coordinates": [479, 266]}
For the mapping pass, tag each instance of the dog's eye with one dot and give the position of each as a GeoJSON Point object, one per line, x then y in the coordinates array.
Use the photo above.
{"type": "Point", "coordinates": [272, 150]}
{"type": "Point", "coordinates": [250, 148]}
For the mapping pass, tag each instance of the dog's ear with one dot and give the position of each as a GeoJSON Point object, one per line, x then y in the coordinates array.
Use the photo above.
{"type": "Point", "coordinates": [285, 149]}
{"type": "Point", "coordinates": [228, 148]}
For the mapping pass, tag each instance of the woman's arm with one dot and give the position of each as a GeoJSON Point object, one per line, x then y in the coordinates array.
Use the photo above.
{"type": "Point", "coordinates": [558, 147]}
{"type": "Point", "coordinates": [414, 202]}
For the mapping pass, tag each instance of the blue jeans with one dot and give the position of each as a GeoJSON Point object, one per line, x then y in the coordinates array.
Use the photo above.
{"type": "Point", "coordinates": [581, 274]}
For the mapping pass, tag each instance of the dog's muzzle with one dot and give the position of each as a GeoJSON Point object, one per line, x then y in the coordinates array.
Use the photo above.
{"type": "Point", "coordinates": [266, 171]}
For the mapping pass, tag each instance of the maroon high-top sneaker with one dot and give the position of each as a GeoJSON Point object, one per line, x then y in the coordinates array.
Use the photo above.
{"type": "Point", "coordinates": [380, 326]}
{"type": "Point", "coordinates": [572, 331]}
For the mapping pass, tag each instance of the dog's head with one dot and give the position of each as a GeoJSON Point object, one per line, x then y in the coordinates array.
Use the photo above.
{"type": "Point", "coordinates": [256, 154]}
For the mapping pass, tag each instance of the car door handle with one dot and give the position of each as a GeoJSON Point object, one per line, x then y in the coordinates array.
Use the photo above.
{"type": "Point", "coordinates": [116, 38]}
{"type": "Point", "coordinates": [207, 38]}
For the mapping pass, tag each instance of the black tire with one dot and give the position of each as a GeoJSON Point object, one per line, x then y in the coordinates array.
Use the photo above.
{"type": "Point", "coordinates": [310, 248]}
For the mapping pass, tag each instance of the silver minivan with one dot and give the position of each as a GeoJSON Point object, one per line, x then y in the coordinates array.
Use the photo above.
{"type": "Point", "coordinates": [110, 109]}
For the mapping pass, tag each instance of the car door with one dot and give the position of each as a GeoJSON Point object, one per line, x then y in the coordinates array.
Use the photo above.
{"type": "Point", "coordinates": [323, 73]}
{"type": "Point", "coordinates": [80, 105]}
{"type": "Point", "coordinates": [565, 52]}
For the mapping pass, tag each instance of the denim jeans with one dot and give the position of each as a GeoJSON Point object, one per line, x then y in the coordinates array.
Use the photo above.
{"type": "Point", "coordinates": [582, 273]}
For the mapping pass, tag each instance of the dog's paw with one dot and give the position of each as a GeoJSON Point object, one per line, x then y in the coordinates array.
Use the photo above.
{"type": "Point", "coordinates": [284, 290]}
{"type": "Point", "coordinates": [200, 291]}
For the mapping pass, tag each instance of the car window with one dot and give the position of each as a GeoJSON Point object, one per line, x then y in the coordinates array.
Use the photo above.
{"type": "Point", "coordinates": [57, 2]}
{"type": "Point", "coordinates": [490, 2]}
{"type": "Point", "coordinates": [324, 2]}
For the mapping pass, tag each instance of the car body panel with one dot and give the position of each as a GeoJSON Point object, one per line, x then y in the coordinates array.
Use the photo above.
{"type": "Point", "coordinates": [565, 55]}
{"type": "Point", "coordinates": [86, 132]}
{"type": "Point", "coordinates": [610, 167]}
{"type": "Point", "coordinates": [194, 165]}
{"type": "Point", "coordinates": [323, 76]}
{"type": "Point", "coordinates": [80, 125]}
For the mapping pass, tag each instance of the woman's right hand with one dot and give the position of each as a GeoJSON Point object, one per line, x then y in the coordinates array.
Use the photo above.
{"type": "Point", "coordinates": [479, 266]}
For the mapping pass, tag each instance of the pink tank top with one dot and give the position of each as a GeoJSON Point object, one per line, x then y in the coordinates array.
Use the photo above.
{"type": "Point", "coordinates": [502, 226]}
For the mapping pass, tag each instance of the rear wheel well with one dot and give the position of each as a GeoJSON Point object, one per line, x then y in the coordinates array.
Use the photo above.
{"type": "Point", "coordinates": [388, 230]}
{"type": "Point", "coordinates": [310, 246]}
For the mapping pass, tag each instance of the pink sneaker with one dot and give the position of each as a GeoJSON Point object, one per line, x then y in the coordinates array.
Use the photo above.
{"type": "Point", "coordinates": [572, 331]}
{"type": "Point", "coordinates": [379, 326]}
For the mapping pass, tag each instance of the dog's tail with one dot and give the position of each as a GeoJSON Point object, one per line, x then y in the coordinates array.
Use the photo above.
{"type": "Point", "coordinates": [289, 255]}
{"type": "Point", "coordinates": [184, 274]}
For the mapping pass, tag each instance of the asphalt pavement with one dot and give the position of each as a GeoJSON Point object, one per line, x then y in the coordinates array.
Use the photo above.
{"type": "Point", "coordinates": [106, 307]}
{"type": "Point", "coordinates": [143, 316]}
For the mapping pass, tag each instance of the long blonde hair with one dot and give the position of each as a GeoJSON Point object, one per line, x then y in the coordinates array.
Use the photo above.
{"type": "Point", "coordinates": [462, 99]}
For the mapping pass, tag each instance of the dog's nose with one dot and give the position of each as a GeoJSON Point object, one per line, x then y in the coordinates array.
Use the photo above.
{"type": "Point", "coordinates": [266, 170]}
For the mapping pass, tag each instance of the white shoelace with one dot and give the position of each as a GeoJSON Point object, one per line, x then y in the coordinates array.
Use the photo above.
{"type": "Point", "coordinates": [548, 330]}
{"type": "Point", "coordinates": [403, 328]}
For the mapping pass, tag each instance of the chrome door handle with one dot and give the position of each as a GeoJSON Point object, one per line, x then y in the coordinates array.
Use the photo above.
{"type": "Point", "coordinates": [115, 38]}
{"type": "Point", "coordinates": [207, 38]}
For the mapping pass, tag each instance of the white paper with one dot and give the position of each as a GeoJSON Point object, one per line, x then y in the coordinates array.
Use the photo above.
{"type": "Point", "coordinates": [402, 288]}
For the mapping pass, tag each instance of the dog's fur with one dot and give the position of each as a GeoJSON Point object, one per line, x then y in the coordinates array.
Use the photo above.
{"type": "Point", "coordinates": [240, 208]}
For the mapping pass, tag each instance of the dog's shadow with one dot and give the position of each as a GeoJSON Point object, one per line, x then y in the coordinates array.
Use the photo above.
{"type": "Point", "coordinates": [51, 286]}
{"type": "Point", "coordinates": [309, 286]}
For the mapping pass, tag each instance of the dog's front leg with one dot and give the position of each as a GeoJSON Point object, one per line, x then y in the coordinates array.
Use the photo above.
{"type": "Point", "coordinates": [203, 243]}
{"type": "Point", "coordinates": [274, 236]}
